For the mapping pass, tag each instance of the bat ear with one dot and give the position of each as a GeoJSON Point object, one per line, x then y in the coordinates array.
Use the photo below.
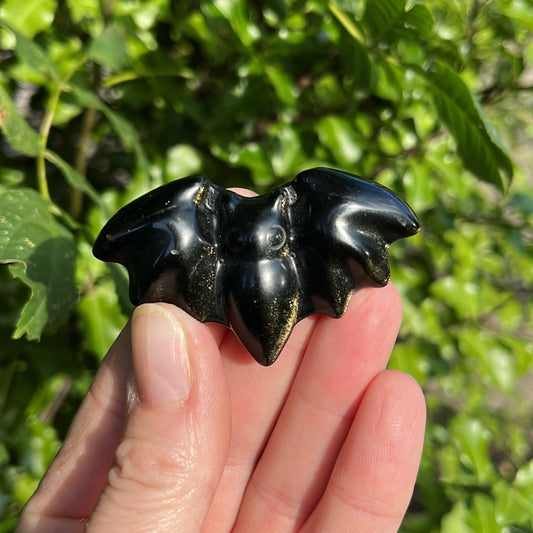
{"type": "Point", "coordinates": [141, 227]}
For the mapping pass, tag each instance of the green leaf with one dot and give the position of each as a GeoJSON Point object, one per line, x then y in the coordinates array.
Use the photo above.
{"type": "Point", "coordinates": [41, 253]}
{"type": "Point", "coordinates": [73, 177]}
{"type": "Point", "coordinates": [235, 12]}
{"type": "Point", "coordinates": [30, 16]}
{"type": "Point", "coordinates": [33, 56]}
{"type": "Point", "coordinates": [329, 92]}
{"type": "Point", "coordinates": [287, 153]}
{"type": "Point", "coordinates": [478, 144]}
{"type": "Point", "coordinates": [381, 16]}
{"type": "Point", "coordinates": [109, 48]}
{"type": "Point", "coordinates": [388, 84]}
{"type": "Point", "coordinates": [282, 84]}
{"type": "Point", "coordinates": [251, 156]}
{"type": "Point", "coordinates": [463, 297]}
{"type": "Point", "coordinates": [455, 520]}
{"type": "Point", "coordinates": [472, 439]}
{"type": "Point", "coordinates": [121, 281]}
{"type": "Point", "coordinates": [362, 72]}
{"type": "Point", "coordinates": [524, 478]}
{"type": "Point", "coordinates": [101, 318]}
{"type": "Point", "coordinates": [519, 11]}
{"type": "Point", "coordinates": [481, 516]}
{"type": "Point", "coordinates": [355, 55]}
{"type": "Point", "coordinates": [85, 10]}
{"type": "Point", "coordinates": [407, 359]}
{"type": "Point", "coordinates": [348, 22]}
{"type": "Point", "coordinates": [419, 18]}
{"type": "Point", "coordinates": [493, 361]}
{"type": "Point", "coordinates": [339, 136]}
{"type": "Point", "coordinates": [414, 25]}
{"type": "Point", "coordinates": [18, 132]}
{"type": "Point", "coordinates": [513, 504]}
{"type": "Point", "coordinates": [182, 160]}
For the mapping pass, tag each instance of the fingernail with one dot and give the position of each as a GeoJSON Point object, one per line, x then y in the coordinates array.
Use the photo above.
{"type": "Point", "coordinates": [161, 360]}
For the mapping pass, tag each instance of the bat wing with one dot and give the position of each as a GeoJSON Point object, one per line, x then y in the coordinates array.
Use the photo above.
{"type": "Point", "coordinates": [167, 240]}
{"type": "Point", "coordinates": [347, 225]}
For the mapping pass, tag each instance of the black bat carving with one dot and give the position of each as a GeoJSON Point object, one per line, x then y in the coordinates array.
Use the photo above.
{"type": "Point", "coordinates": [258, 265]}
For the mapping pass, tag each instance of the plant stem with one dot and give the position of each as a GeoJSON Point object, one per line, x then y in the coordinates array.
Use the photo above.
{"type": "Point", "coordinates": [46, 126]}
{"type": "Point", "coordinates": [107, 10]}
{"type": "Point", "coordinates": [44, 133]}
{"type": "Point", "coordinates": [42, 183]}
{"type": "Point", "coordinates": [80, 163]}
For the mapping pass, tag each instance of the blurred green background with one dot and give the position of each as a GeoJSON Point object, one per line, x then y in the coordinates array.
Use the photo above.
{"type": "Point", "coordinates": [102, 100]}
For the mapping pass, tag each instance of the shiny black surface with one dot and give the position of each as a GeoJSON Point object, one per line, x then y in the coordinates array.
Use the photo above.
{"type": "Point", "coordinates": [261, 264]}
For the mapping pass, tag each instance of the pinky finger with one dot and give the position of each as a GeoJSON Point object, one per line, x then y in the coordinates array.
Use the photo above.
{"type": "Point", "coordinates": [374, 476]}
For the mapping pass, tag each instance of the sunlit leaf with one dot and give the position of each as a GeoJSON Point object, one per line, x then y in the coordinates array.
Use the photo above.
{"type": "Point", "coordinates": [420, 18]}
{"type": "Point", "coordinates": [287, 153]}
{"type": "Point", "coordinates": [490, 357]}
{"type": "Point", "coordinates": [282, 84]}
{"type": "Point", "coordinates": [456, 520]}
{"type": "Point", "coordinates": [389, 84]}
{"type": "Point", "coordinates": [30, 16]}
{"type": "Point", "coordinates": [481, 516]}
{"type": "Point", "coordinates": [81, 10]}
{"type": "Point", "coordinates": [478, 144]}
{"type": "Point", "coordinates": [513, 503]}
{"type": "Point", "coordinates": [109, 48]}
{"type": "Point", "coordinates": [235, 12]}
{"type": "Point", "coordinates": [472, 439]}
{"type": "Point", "coordinates": [41, 253]}
{"type": "Point", "coordinates": [100, 318]}
{"type": "Point", "coordinates": [349, 22]}
{"type": "Point", "coordinates": [462, 296]}
{"type": "Point", "coordinates": [380, 17]}
{"type": "Point", "coordinates": [18, 132]}
{"type": "Point", "coordinates": [33, 56]}
{"type": "Point", "coordinates": [338, 135]}
{"type": "Point", "coordinates": [182, 160]}
{"type": "Point", "coordinates": [520, 11]}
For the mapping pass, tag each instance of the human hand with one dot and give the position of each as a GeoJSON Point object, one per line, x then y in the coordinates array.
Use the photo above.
{"type": "Point", "coordinates": [172, 436]}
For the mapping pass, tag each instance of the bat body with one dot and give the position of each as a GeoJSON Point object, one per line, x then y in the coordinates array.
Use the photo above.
{"type": "Point", "coordinates": [261, 264]}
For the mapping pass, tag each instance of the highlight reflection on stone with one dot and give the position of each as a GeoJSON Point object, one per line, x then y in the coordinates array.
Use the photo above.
{"type": "Point", "coordinates": [258, 265]}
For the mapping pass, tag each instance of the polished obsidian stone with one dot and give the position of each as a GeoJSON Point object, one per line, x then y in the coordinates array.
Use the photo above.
{"type": "Point", "coordinates": [260, 264]}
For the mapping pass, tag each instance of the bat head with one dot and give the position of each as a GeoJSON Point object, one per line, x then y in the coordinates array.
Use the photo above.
{"type": "Point", "coordinates": [258, 229]}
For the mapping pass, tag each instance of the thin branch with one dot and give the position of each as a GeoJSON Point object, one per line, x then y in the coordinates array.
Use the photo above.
{"type": "Point", "coordinates": [82, 156]}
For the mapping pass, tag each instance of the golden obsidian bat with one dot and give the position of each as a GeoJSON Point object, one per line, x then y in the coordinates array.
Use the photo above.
{"type": "Point", "coordinates": [258, 265]}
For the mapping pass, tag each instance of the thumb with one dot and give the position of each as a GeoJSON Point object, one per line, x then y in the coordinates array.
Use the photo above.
{"type": "Point", "coordinates": [176, 435]}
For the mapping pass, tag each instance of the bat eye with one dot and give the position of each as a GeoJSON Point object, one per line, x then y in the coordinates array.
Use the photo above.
{"type": "Point", "coordinates": [275, 237]}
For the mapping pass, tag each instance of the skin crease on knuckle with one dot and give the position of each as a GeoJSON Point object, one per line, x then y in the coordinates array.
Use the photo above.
{"type": "Point", "coordinates": [145, 478]}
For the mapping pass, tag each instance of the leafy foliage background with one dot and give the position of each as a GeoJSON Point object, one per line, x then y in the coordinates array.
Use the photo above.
{"type": "Point", "coordinates": [102, 100]}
